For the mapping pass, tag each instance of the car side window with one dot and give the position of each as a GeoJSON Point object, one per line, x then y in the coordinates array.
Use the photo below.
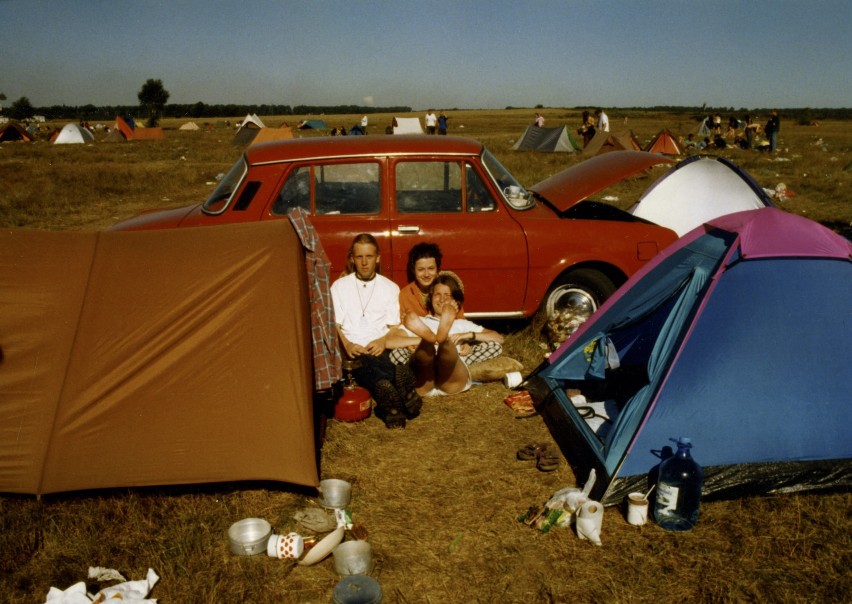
{"type": "Point", "coordinates": [296, 192]}
{"type": "Point", "coordinates": [478, 197]}
{"type": "Point", "coordinates": [428, 187]}
{"type": "Point", "coordinates": [350, 188]}
{"type": "Point", "coordinates": [347, 188]}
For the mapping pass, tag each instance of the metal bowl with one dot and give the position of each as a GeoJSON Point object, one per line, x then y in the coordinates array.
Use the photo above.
{"type": "Point", "coordinates": [249, 536]}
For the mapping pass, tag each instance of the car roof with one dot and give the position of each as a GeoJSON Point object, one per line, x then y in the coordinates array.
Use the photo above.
{"type": "Point", "coordinates": [354, 146]}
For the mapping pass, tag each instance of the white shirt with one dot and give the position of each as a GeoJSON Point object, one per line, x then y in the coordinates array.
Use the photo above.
{"type": "Point", "coordinates": [431, 119]}
{"type": "Point", "coordinates": [603, 122]}
{"type": "Point", "coordinates": [365, 309]}
{"type": "Point", "coordinates": [458, 326]}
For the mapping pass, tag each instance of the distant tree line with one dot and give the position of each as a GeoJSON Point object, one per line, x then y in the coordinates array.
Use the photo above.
{"type": "Point", "coordinates": [802, 115]}
{"type": "Point", "coordinates": [196, 111]}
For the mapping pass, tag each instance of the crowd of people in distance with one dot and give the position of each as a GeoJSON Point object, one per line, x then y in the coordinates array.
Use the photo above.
{"type": "Point", "coordinates": [410, 342]}
{"type": "Point", "coordinates": [742, 133]}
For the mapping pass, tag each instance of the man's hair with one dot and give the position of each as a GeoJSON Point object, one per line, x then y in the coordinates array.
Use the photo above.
{"type": "Point", "coordinates": [421, 251]}
{"type": "Point", "coordinates": [451, 281]}
{"type": "Point", "coordinates": [361, 238]}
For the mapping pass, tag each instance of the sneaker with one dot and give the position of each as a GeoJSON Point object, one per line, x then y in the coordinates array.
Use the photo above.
{"type": "Point", "coordinates": [412, 405]}
{"type": "Point", "coordinates": [388, 404]}
{"type": "Point", "coordinates": [392, 417]}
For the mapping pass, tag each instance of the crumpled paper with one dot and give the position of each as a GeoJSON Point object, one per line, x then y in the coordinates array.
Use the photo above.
{"type": "Point", "coordinates": [129, 592]}
{"type": "Point", "coordinates": [315, 519]}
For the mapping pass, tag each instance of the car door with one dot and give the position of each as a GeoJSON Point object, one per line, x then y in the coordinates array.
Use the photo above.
{"type": "Point", "coordinates": [344, 198]}
{"type": "Point", "coordinates": [449, 202]}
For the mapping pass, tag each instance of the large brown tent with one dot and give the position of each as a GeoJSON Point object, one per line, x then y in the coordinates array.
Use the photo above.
{"type": "Point", "coordinates": [603, 142]}
{"type": "Point", "coordinates": [265, 135]}
{"type": "Point", "coordinates": [154, 358]}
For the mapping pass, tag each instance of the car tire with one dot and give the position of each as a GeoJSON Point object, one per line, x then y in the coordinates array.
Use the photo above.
{"type": "Point", "coordinates": [580, 293]}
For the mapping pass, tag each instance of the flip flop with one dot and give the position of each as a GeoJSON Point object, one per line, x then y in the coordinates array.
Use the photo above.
{"type": "Point", "coordinates": [530, 451]}
{"type": "Point", "coordinates": [547, 460]}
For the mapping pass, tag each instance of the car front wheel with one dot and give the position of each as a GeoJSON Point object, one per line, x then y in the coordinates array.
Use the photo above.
{"type": "Point", "coordinates": [572, 299]}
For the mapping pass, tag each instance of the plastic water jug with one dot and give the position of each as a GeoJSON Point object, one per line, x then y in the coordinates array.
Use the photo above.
{"type": "Point", "coordinates": [678, 495]}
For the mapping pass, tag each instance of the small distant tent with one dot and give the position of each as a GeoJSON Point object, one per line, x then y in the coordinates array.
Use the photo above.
{"type": "Point", "coordinates": [664, 142]}
{"type": "Point", "coordinates": [143, 395]}
{"type": "Point", "coordinates": [247, 130]}
{"type": "Point", "coordinates": [115, 136]}
{"type": "Point", "coordinates": [313, 125]}
{"type": "Point", "coordinates": [407, 125]}
{"type": "Point", "coordinates": [703, 128]}
{"type": "Point", "coordinates": [558, 139]}
{"type": "Point", "coordinates": [73, 134]}
{"type": "Point", "coordinates": [155, 133]}
{"type": "Point", "coordinates": [189, 126]}
{"type": "Point", "coordinates": [125, 125]}
{"type": "Point", "coordinates": [11, 131]}
{"type": "Point", "coordinates": [132, 131]}
{"type": "Point", "coordinates": [251, 121]}
{"type": "Point", "coordinates": [697, 190]}
{"type": "Point", "coordinates": [603, 142]}
{"type": "Point", "coordinates": [737, 336]}
{"type": "Point", "coordinates": [265, 135]}
{"type": "Point", "coordinates": [245, 136]}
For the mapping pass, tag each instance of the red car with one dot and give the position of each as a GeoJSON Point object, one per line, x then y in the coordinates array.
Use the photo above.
{"type": "Point", "coordinates": [516, 250]}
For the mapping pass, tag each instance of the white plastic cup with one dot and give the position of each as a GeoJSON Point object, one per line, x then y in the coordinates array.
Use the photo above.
{"type": "Point", "coordinates": [512, 191]}
{"type": "Point", "coordinates": [637, 509]}
{"type": "Point", "coordinates": [335, 493]}
{"type": "Point", "coordinates": [513, 379]}
{"type": "Point", "coordinates": [286, 546]}
{"type": "Point", "coordinates": [352, 558]}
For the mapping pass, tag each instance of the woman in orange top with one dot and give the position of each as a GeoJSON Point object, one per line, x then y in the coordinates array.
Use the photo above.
{"type": "Point", "coordinates": [424, 264]}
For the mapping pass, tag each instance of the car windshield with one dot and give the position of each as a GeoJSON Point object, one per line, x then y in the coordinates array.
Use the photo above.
{"type": "Point", "coordinates": [518, 197]}
{"type": "Point", "coordinates": [221, 195]}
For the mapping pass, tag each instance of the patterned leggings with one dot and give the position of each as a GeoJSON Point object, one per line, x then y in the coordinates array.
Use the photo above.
{"type": "Point", "coordinates": [482, 351]}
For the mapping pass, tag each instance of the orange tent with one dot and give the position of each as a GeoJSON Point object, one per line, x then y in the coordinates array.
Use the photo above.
{"type": "Point", "coordinates": [13, 132]}
{"type": "Point", "coordinates": [665, 143]}
{"type": "Point", "coordinates": [133, 132]}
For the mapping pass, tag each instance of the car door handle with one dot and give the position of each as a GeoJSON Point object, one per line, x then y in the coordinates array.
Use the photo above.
{"type": "Point", "coordinates": [408, 229]}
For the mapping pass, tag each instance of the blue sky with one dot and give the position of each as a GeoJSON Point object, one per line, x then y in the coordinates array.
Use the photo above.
{"type": "Point", "coordinates": [460, 54]}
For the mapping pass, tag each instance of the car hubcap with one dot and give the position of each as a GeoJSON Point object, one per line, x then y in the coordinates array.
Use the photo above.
{"type": "Point", "coordinates": [569, 307]}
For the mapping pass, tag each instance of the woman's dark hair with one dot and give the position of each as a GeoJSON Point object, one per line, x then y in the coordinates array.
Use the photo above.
{"type": "Point", "coordinates": [419, 252]}
{"type": "Point", "coordinates": [450, 281]}
{"type": "Point", "coordinates": [362, 238]}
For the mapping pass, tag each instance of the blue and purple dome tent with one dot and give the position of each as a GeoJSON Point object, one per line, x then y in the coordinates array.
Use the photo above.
{"type": "Point", "coordinates": [738, 336]}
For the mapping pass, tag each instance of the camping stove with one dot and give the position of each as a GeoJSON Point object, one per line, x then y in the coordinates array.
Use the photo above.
{"type": "Point", "coordinates": [355, 403]}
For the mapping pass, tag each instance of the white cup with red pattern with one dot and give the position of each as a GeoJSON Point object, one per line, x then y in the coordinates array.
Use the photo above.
{"type": "Point", "coordinates": [284, 547]}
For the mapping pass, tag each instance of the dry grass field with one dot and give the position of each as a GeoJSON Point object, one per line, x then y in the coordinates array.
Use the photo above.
{"type": "Point", "coordinates": [440, 500]}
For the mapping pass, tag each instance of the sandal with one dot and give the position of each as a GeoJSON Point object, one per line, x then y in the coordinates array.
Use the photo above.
{"type": "Point", "coordinates": [530, 451]}
{"type": "Point", "coordinates": [547, 460]}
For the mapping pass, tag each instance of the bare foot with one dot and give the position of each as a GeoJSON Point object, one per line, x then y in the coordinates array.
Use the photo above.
{"type": "Point", "coordinates": [416, 326]}
{"type": "Point", "coordinates": [448, 315]}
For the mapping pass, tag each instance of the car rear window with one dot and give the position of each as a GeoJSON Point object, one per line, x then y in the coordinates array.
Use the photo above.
{"type": "Point", "coordinates": [334, 188]}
